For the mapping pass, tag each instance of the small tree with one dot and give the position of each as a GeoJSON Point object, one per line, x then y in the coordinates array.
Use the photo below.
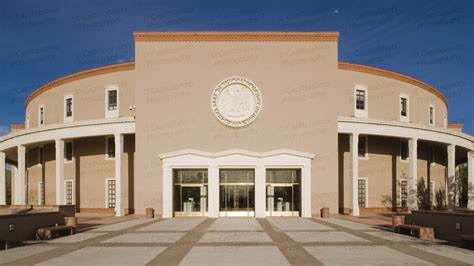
{"type": "Point", "coordinates": [423, 195]}
{"type": "Point", "coordinates": [462, 185]}
{"type": "Point", "coordinates": [441, 199]}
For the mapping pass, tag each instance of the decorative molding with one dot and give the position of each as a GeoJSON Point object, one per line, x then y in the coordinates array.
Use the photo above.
{"type": "Point", "coordinates": [236, 36]}
{"type": "Point", "coordinates": [88, 128]}
{"type": "Point", "coordinates": [392, 75]}
{"type": "Point", "coordinates": [236, 152]}
{"type": "Point", "coordinates": [80, 75]}
{"type": "Point", "coordinates": [236, 102]}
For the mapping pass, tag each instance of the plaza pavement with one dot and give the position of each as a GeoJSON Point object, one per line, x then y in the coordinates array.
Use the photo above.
{"type": "Point", "coordinates": [237, 241]}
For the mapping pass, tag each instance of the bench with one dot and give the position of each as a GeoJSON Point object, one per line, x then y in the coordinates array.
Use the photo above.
{"type": "Point", "coordinates": [466, 241]}
{"type": "Point", "coordinates": [415, 230]}
{"type": "Point", "coordinates": [47, 233]}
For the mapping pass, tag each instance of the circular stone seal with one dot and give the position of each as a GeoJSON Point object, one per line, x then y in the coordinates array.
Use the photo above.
{"type": "Point", "coordinates": [236, 101]}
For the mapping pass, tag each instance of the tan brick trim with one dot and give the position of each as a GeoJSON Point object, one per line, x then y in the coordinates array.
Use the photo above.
{"type": "Point", "coordinates": [80, 75]}
{"type": "Point", "coordinates": [392, 75]}
{"type": "Point", "coordinates": [235, 36]}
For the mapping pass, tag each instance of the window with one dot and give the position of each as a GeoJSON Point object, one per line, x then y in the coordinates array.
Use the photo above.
{"type": "Point", "coordinates": [68, 109]}
{"type": "Point", "coordinates": [362, 148]}
{"type": "Point", "coordinates": [432, 115]}
{"type": "Point", "coordinates": [404, 111]}
{"type": "Point", "coordinates": [445, 121]}
{"type": "Point", "coordinates": [404, 150]}
{"type": "Point", "coordinates": [112, 101]}
{"type": "Point", "coordinates": [110, 148]}
{"type": "Point", "coordinates": [362, 188]}
{"type": "Point", "coordinates": [41, 115]}
{"type": "Point", "coordinates": [68, 153]}
{"type": "Point", "coordinates": [360, 100]}
{"type": "Point", "coordinates": [432, 154]}
{"type": "Point", "coordinates": [404, 106]}
{"type": "Point", "coordinates": [110, 186]}
{"type": "Point", "coordinates": [112, 98]}
{"type": "Point", "coordinates": [41, 193]}
{"type": "Point", "coordinates": [404, 192]}
{"type": "Point", "coordinates": [360, 104]}
{"type": "Point", "coordinates": [68, 192]}
{"type": "Point", "coordinates": [41, 156]}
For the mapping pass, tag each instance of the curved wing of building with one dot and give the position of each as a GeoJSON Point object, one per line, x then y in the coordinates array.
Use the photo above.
{"type": "Point", "coordinates": [236, 124]}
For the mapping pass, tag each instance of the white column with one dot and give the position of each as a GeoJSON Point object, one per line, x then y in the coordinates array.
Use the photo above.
{"type": "Point", "coordinates": [59, 143]}
{"type": "Point", "coordinates": [119, 177]}
{"type": "Point", "coordinates": [451, 176]}
{"type": "Point", "coordinates": [21, 176]}
{"type": "Point", "coordinates": [470, 180]}
{"type": "Point", "coordinates": [260, 193]}
{"type": "Point", "coordinates": [413, 174]}
{"type": "Point", "coordinates": [354, 147]}
{"type": "Point", "coordinates": [167, 192]}
{"type": "Point", "coordinates": [213, 191]}
{"type": "Point", "coordinates": [3, 184]}
{"type": "Point", "coordinates": [306, 188]}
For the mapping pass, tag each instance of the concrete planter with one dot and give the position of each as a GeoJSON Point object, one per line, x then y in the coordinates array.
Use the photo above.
{"type": "Point", "coordinates": [325, 212]}
{"type": "Point", "coordinates": [150, 213]}
{"type": "Point", "coordinates": [397, 220]}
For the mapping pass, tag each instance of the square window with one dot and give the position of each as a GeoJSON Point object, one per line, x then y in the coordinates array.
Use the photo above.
{"type": "Point", "coordinates": [69, 107]}
{"type": "Point", "coordinates": [404, 150]}
{"type": "Point", "coordinates": [112, 100]}
{"type": "Point", "coordinates": [360, 100]}
{"type": "Point", "coordinates": [362, 188]}
{"type": "Point", "coordinates": [41, 155]}
{"type": "Point", "coordinates": [404, 192]}
{"type": "Point", "coordinates": [111, 193]}
{"type": "Point", "coordinates": [69, 192]}
{"type": "Point", "coordinates": [41, 116]}
{"type": "Point", "coordinates": [68, 153]}
{"type": "Point", "coordinates": [403, 107]}
{"type": "Point", "coordinates": [110, 148]}
{"type": "Point", "coordinates": [362, 147]}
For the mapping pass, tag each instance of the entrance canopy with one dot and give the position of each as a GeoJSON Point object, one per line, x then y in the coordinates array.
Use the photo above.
{"type": "Point", "coordinates": [236, 159]}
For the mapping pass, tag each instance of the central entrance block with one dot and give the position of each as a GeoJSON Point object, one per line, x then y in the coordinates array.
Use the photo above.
{"type": "Point", "coordinates": [237, 192]}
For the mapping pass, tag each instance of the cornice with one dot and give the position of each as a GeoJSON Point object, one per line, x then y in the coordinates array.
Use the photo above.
{"type": "Point", "coordinates": [236, 36]}
{"type": "Point", "coordinates": [80, 75]}
{"type": "Point", "coordinates": [392, 75]}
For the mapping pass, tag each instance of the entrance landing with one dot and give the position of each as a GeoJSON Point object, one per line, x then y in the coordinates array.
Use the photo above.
{"type": "Point", "coordinates": [243, 241]}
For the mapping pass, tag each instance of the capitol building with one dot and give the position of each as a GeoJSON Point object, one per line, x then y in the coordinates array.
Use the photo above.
{"type": "Point", "coordinates": [225, 124]}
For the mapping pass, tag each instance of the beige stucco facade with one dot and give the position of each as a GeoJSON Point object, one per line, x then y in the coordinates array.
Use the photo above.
{"type": "Point", "coordinates": [307, 116]}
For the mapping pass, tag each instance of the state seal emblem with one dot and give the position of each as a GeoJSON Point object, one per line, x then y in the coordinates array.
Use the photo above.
{"type": "Point", "coordinates": [236, 101]}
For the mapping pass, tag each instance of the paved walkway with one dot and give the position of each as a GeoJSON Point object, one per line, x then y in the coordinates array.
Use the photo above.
{"type": "Point", "coordinates": [237, 241]}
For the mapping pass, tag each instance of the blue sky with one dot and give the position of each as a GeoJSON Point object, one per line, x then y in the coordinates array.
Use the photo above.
{"type": "Point", "coordinates": [428, 40]}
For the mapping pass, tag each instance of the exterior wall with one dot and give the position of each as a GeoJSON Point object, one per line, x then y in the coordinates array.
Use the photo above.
{"type": "Point", "coordinates": [384, 98]}
{"type": "Point", "coordinates": [385, 169]}
{"type": "Point", "coordinates": [175, 80]}
{"type": "Point", "coordinates": [88, 169]}
{"type": "Point", "coordinates": [88, 98]}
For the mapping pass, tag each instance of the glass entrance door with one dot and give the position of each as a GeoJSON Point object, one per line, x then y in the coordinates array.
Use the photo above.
{"type": "Point", "coordinates": [283, 192]}
{"type": "Point", "coordinates": [190, 192]}
{"type": "Point", "coordinates": [237, 192]}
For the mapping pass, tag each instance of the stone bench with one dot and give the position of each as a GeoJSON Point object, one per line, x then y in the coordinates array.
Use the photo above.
{"type": "Point", "coordinates": [415, 230]}
{"type": "Point", "coordinates": [466, 241]}
{"type": "Point", "coordinates": [47, 233]}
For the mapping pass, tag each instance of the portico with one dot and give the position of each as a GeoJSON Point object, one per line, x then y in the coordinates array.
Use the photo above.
{"type": "Point", "coordinates": [412, 134]}
{"type": "Point", "coordinates": [226, 172]}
